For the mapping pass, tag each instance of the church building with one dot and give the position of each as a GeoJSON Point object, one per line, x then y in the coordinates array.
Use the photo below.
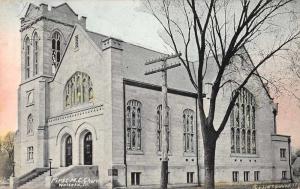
{"type": "Point", "coordinates": [86, 106]}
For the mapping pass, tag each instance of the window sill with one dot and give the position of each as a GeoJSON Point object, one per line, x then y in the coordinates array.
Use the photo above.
{"type": "Point", "coordinates": [29, 104]}
{"type": "Point", "coordinates": [189, 154]}
{"type": "Point", "coordinates": [244, 155]}
{"type": "Point", "coordinates": [30, 134]}
{"type": "Point", "coordinates": [76, 107]}
{"type": "Point", "coordinates": [160, 153]}
{"type": "Point", "coordinates": [133, 152]}
{"type": "Point", "coordinates": [30, 161]}
{"type": "Point", "coordinates": [283, 159]}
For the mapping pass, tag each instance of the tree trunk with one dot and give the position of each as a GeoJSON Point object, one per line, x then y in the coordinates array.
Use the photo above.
{"type": "Point", "coordinates": [209, 160]}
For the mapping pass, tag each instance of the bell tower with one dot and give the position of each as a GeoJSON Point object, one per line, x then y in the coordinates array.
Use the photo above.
{"type": "Point", "coordinates": [44, 37]}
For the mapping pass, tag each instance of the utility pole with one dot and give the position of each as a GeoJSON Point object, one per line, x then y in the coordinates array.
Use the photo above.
{"type": "Point", "coordinates": [165, 120]}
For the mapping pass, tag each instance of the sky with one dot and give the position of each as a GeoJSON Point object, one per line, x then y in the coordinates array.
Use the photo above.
{"type": "Point", "coordinates": [118, 18]}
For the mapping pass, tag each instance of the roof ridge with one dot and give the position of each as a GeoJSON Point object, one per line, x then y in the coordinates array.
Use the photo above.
{"type": "Point", "coordinates": [130, 43]}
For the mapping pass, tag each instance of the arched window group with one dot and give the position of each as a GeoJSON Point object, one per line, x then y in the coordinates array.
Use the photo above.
{"type": "Point", "coordinates": [243, 133]}
{"type": "Point", "coordinates": [188, 130]}
{"type": "Point", "coordinates": [134, 125]}
{"type": "Point", "coordinates": [29, 124]}
{"type": "Point", "coordinates": [78, 90]}
{"type": "Point", "coordinates": [31, 66]}
{"type": "Point", "coordinates": [160, 127]}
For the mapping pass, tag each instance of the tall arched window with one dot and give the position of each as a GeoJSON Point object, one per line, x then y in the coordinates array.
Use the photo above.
{"type": "Point", "coordinates": [238, 141]}
{"type": "Point", "coordinates": [243, 141]}
{"type": "Point", "coordinates": [35, 53]}
{"type": "Point", "coordinates": [56, 47]}
{"type": "Point", "coordinates": [27, 57]}
{"type": "Point", "coordinates": [253, 142]}
{"type": "Point", "coordinates": [134, 125]}
{"type": "Point", "coordinates": [188, 130]}
{"type": "Point", "coordinates": [159, 128]}
{"type": "Point", "coordinates": [232, 134]}
{"type": "Point", "coordinates": [243, 124]}
{"type": "Point", "coordinates": [78, 90]}
{"type": "Point", "coordinates": [29, 124]}
{"type": "Point", "coordinates": [248, 142]}
{"type": "Point", "coordinates": [253, 117]}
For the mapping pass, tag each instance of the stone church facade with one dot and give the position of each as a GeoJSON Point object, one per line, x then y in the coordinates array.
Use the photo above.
{"type": "Point", "coordinates": [84, 101]}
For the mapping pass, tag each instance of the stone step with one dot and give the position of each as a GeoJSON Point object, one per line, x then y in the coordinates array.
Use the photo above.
{"type": "Point", "coordinates": [37, 182]}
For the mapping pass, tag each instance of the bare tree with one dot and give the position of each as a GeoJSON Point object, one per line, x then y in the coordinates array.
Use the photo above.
{"type": "Point", "coordinates": [221, 30]}
{"type": "Point", "coordinates": [7, 145]}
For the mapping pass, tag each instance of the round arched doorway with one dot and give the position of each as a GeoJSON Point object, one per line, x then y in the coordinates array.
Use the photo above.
{"type": "Point", "coordinates": [68, 151]}
{"type": "Point", "coordinates": [88, 149]}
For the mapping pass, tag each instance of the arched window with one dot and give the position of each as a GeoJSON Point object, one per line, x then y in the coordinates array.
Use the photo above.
{"type": "Point", "coordinates": [27, 57]}
{"type": "Point", "coordinates": [56, 47]}
{"type": "Point", "coordinates": [243, 116]}
{"type": "Point", "coordinates": [159, 128]}
{"type": "Point", "coordinates": [237, 115]}
{"type": "Point", "coordinates": [253, 142]}
{"type": "Point", "coordinates": [29, 124]}
{"type": "Point", "coordinates": [35, 53]}
{"type": "Point", "coordinates": [243, 141]}
{"type": "Point", "coordinates": [248, 142]}
{"type": "Point", "coordinates": [188, 130]}
{"type": "Point", "coordinates": [133, 124]}
{"type": "Point", "coordinates": [248, 120]}
{"type": "Point", "coordinates": [91, 94]}
{"type": "Point", "coordinates": [238, 141]}
{"type": "Point", "coordinates": [253, 117]}
{"type": "Point", "coordinates": [76, 88]}
{"type": "Point", "coordinates": [232, 134]}
{"type": "Point", "coordinates": [29, 98]}
{"type": "Point", "coordinates": [68, 151]}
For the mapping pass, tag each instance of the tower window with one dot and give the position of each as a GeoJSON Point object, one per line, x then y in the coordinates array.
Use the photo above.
{"type": "Point", "coordinates": [29, 124]}
{"type": "Point", "coordinates": [30, 153]}
{"type": "Point", "coordinates": [35, 53]}
{"type": "Point", "coordinates": [56, 48]}
{"type": "Point", "coordinates": [30, 98]}
{"type": "Point", "coordinates": [27, 58]}
{"type": "Point", "coordinates": [282, 153]}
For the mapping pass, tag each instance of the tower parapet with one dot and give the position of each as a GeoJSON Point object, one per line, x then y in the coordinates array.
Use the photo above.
{"type": "Point", "coordinates": [63, 14]}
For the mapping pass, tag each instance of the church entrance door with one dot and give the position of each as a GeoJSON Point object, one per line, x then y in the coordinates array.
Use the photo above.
{"type": "Point", "coordinates": [69, 151]}
{"type": "Point", "coordinates": [88, 149]}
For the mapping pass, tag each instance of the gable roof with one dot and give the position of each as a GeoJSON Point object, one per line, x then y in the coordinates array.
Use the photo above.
{"type": "Point", "coordinates": [259, 76]}
{"type": "Point", "coordinates": [296, 162]}
{"type": "Point", "coordinates": [30, 7]}
{"type": "Point", "coordinates": [77, 26]}
{"type": "Point", "coordinates": [96, 37]}
{"type": "Point", "coordinates": [64, 5]}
